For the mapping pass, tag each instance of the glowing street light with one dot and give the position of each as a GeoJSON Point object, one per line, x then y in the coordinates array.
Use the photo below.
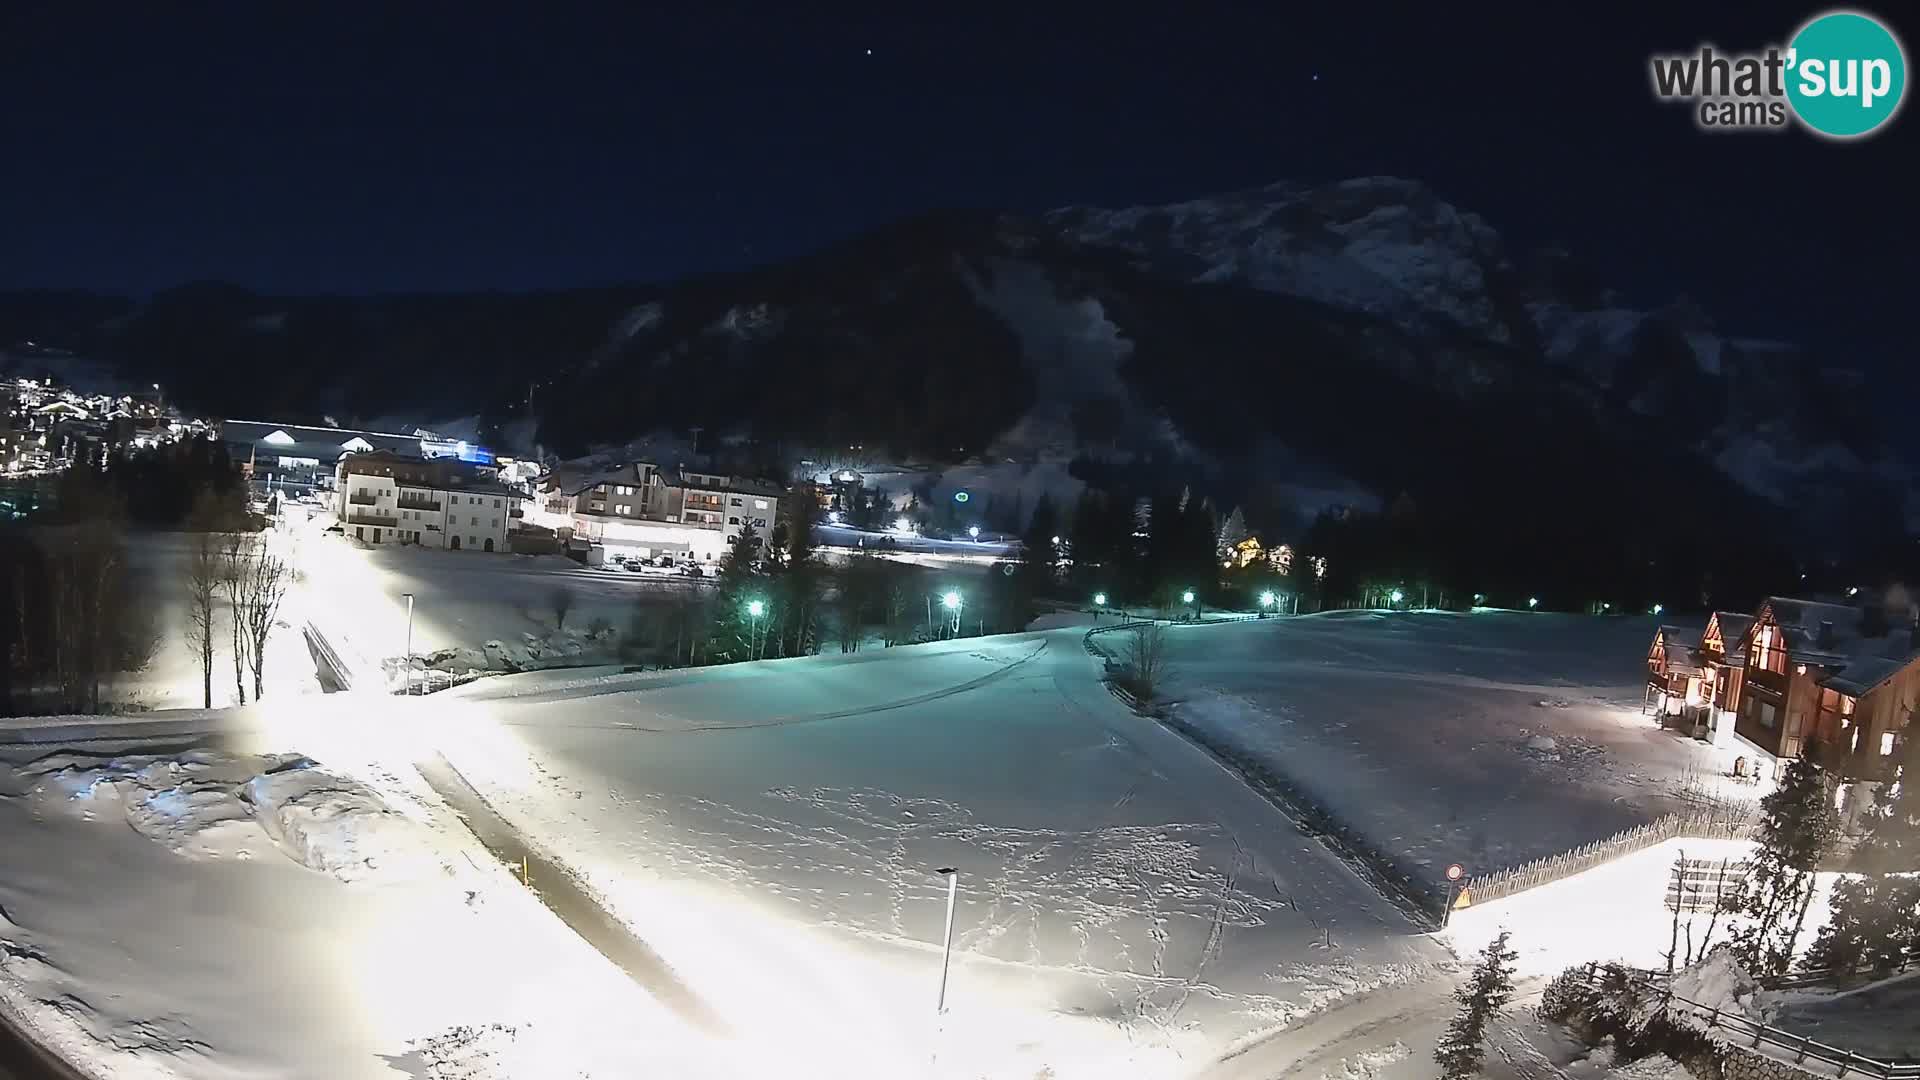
{"type": "Point", "coordinates": [1099, 599]}
{"type": "Point", "coordinates": [950, 601]}
{"type": "Point", "coordinates": [1187, 597]}
{"type": "Point", "coordinates": [1266, 599]}
{"type": "Point", "coordinates": [755, 609]}
{"type": "Point", "coordinates": [1658, 608]}
{"type": "Point", "coordinates": [1056, 541]}
{"type": "Point", "coordinates": [1533, 601]}
{"type": "Point", "coordinates": [1397, 596]}
{"type": "Point", "coordinates": [973, 531]}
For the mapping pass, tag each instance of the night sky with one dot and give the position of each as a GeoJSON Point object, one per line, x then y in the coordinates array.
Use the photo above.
{"type": "Point", "coordinates": [451, 149]}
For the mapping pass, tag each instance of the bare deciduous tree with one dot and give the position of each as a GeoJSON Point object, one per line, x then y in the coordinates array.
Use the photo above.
{"type": "Point", "coordinates": [203, 588]}
{"type": "Point", "coordinates": [233, 564]}
{"type": "Point", "coordinates": [1147, 660]}
{"type": "Point", "coordinates": [263, 585]}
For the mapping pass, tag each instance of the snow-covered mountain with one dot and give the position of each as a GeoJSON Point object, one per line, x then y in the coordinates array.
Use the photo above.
{"type": "Point", "coordinates": [1772, 417]}
{"type": "Point", "coordinates": [1367, 335]}
{"type": "Point", "coordinates": [1379, 245]}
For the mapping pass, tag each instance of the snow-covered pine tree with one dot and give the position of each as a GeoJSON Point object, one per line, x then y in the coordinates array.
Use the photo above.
{"type": "Point", "coordinates": [1876, 917]}
{"type": "Point", "coordinates": [1798, 827]}
{"type": "Point", "coordinates": [1463, 1048]}
{"type": "Point", "coordinates": [1233, 532]}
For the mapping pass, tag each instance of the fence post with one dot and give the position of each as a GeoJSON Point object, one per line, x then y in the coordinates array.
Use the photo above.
{"type": "Point", "coordinates": [1805, 1041]}
{"type": "Point", "coordinates": [1845, 1062]}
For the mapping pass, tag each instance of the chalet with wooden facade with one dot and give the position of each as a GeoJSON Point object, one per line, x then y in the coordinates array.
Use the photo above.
{"type": "Point", "coordinates": [1839, 681]}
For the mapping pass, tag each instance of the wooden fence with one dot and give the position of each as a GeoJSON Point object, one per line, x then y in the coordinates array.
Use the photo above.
{"type": "Point", "coordinates": [1713, 823]}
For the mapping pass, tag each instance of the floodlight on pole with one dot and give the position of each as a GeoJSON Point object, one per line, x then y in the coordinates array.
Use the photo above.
{"type": "Point", "coordinates": [973, 531]}
{"type": "Point", "coordinates": [1099, 599]}
{"type": "Point", "coordinates": [1187, 597]}
{"type": "Point", "coordinates": [1397, 596]}
{"type": "Point", "coordinates": [755, 609]}
{"type": "Point", "coordinates": [950, 600]}
{"type": "Point", "coordinates": [1266, 599]}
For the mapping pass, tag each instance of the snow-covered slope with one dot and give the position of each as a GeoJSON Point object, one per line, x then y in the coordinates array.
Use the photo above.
{"type": "Point", "coordinates": [1378, 244]}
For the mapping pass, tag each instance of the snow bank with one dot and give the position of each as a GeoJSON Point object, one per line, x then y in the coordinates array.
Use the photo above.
{"type": "Point", "coordinates": [1717, 983]}
{"type": "Point", "coordinates": [220, 914]}
{"type": "Point", "coordinates": [208, 804]}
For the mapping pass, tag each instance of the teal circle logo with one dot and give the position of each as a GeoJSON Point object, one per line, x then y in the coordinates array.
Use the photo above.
{"type": "Point", "coordinates": [1846, 74]}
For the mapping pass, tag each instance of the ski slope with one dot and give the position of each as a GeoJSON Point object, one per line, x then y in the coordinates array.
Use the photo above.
{"type": "Point", "coordinates": [773, 830]}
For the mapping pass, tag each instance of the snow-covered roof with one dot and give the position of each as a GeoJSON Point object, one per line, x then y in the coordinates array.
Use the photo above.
{"type": "Point", "coordinates": [1844, 639]}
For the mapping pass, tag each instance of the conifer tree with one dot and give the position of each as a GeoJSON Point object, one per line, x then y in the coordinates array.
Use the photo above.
{"type": "Point", "coordinates": [1487, 990]}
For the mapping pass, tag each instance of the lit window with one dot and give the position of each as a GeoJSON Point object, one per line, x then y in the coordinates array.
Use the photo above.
{"type": "Point", "coordinates": [759, 504]}
{"type": "Point", "coordinates": [1886, 744]}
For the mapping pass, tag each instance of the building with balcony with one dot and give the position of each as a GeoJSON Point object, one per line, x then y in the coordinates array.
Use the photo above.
{"type": "Point", "coordinates": [641, 510]}
{"type": "Point", "coordinates": [1838, 681]}
{"type": "Point", "coordinates": [387, 498]}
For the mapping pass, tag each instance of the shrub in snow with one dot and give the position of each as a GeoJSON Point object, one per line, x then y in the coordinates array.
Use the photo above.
{"type": "Point", "coordinates": [1462, 1049]}
{"type": "Point", "coordinates": [1615, 1005]}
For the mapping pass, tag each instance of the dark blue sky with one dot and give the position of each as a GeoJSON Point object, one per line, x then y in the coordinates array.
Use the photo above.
{"type": "Point", "coordinates": [453, 148]}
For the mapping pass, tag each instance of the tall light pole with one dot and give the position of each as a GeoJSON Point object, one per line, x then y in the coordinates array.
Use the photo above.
{"type": "Point", "coordinates": [755, 609]}
{"type": "Point", "coordinates": [407, 686]}
{"type": "Point", "coordinates": [951, 601]}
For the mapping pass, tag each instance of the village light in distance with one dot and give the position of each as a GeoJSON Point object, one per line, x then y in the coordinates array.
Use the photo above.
{"type": "Point", "coordinates": [1187, 597]}
{"type": "Point", "coordinates": [951, 600]}
{"type": "Point", "coordinates": [1533, 601]}
{"type": "Point", "coordinates": [1099, 599]}
{"type": "Point", "coordinates": [973, 531]}
{"type": "Point", "coordinates": [1266, 599]}
{"type": "Point", "coordinates": [1658, 608]}
{"type": "Point", "coordinates": [1397, 596]}
{"type": "Point", "coordinates": [756, 608]}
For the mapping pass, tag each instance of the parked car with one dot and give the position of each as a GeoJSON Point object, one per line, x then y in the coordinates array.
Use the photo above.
{"type": "Point", "coordinates": [634, 566]}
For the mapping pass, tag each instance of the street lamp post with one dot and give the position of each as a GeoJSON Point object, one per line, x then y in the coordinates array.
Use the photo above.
{"type": "Point", "coordinates": [755, 609]}
{"type": "Point", "coordinates": [407, 685]}
{"type": "Point", "coordinates": [1266, 603]}
{"type": "Point", "coordinates": [1188, 598]}
{"type": "Point", "coordinates": [951, 601]}
{"type": "Point", "coordinates": [946, 946]}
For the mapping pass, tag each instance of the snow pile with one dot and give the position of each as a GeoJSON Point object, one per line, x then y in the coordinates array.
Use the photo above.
{"type": "Point", "coordinates": [1717, 983]}
{"type": "Point", "coordinates": [1369, 1064]}
{"type": "Point", "coordinates": [1599, 1064]}
{"type": "Point", "coordinates": [206, 804]}
{"type": "Point", "coordinates": [337, 826]}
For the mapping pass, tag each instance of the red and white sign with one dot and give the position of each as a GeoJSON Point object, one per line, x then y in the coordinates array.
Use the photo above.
{"type": "Point", "coordinates": [1455, 872]}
